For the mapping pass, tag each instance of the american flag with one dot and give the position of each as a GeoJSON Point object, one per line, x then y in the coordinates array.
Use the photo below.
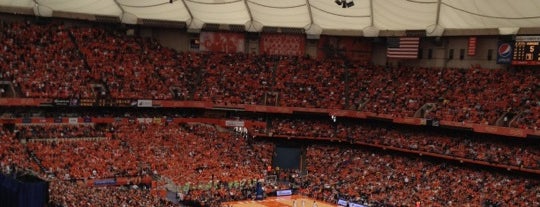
{"type": "Point", "coordinates": [403, 47]}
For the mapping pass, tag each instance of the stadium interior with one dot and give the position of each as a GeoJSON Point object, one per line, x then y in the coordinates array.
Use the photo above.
{"type": "Point", "coordinates": [211, 102]}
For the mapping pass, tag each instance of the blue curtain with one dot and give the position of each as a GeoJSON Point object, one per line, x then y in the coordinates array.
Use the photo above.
{"type": "Point", "coordinates": [23, 193]}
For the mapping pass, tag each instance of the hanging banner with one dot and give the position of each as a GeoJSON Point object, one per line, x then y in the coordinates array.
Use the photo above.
{"type": "Point", "coordinates": [144, 103]}
{"type": "Point", "coordinates": [282, 44]}
{"type": "Point", "coordinates": [227, 42]}
{"type": "Point", "coordinates": [505, 51]}
{"type": "Point", "coordinates": [471, 47]}
{"type": "Point", "coordinates": [233, 123]}
{"type": "Point", "coordinates": [402, 47]}
{"type": "Point", "coordinates": [353, 49]}
{"type": "Point", "coordinates": [73, 120]}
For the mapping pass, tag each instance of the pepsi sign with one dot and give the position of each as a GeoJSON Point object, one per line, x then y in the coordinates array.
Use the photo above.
{"type": "Point", "coordinates": [504, 53]}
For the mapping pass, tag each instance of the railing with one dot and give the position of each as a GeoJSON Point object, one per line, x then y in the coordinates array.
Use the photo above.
{"type": "Point", "coordinates": [409, 151]}
{"type": "Point", "coordinates": [480, 128]}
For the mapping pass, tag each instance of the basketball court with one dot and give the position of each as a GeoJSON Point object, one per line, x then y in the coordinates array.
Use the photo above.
{"type": "Point", "coordinates": [285, 201]}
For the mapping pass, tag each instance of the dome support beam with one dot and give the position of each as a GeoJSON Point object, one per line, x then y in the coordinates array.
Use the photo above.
{"type": "Point", "coordinates": [309, 12]}
{"type": "Point", "coordinates": [248, 10]}
{"type": "Point", "coordinates": [438, 17]}
{"type": "Point", "coordinates": [121, 9]}
{"type": "Point", "coordinates": [251, 25]}
{"type": "Point", "coordinates": [189, 12]}
{"type": "Point", "coordinates": [312, 30]}
{"type": "Point", "coordinates": [436, 30]}
{"type": "Point", "coordinates": [371, 14]}
{"type": "Point", "coordinates": [371, 30]}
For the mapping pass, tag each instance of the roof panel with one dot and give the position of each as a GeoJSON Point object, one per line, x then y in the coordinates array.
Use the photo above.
{"type": "Point", "coordinates": [291, 14]}
{"type": "Point", "coordinates": [472, 14]}
{"type": "Point", "coordinates": [158, 10]}
{"type": "Point", "coordinates": [404, 14]}
{"type": "Point", "coordinates": [17, 3]}
{"type": "Point", "coordinates": [279, 3]}
{"type": "Point", "coordinates": [219, 11]}
{"type": "Point", "coordinates": [387, 14]}
{"type": "Point", "coordinates": [98, 7]}
{"type": "Point", "coordinates": [329, 15]}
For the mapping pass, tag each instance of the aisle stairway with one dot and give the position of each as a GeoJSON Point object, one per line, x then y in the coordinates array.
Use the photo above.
{"type": "Point", "coordinates": [34, 158]}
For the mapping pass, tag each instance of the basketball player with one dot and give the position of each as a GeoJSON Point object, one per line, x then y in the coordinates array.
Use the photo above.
{"type": "Point", "coordinates": [294, 203]}
{"type": "Point", "coordinates": [314, 204]}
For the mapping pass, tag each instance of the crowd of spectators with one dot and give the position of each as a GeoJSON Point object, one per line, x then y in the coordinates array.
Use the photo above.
{"type": "Point", "coordinates": [235, 79]}
{"type": "Point", "coordinates": [186, 154]}
{"type": "Point", "coordinates": [201, 144]}
{"type": "Point", "coordinates": [529, 117]}
{"type": "Point", "coordinates": [382, 179]}
{"type": "Point", "coordinates": [13, 154]}
{"type": "Point", "coordinates": [59, 131]}
{"type": "Point", "coordinates": [495, 150]}
{"type": "Point", "coordinates": [115, 61]}
{"type": "Point", "coordinates": [396, 91]}
{"type": "Point", "coordinates": [322, 129]}
{"type": "Point", "coordinates": [132, 67]}
{"type": "Point", "coordinates": [88, 159]}
{"type": "Point", "coordinates": [42, 61]}
{"type": "Point", "coordinates": [98, 61]}
{"type": "Point", "coordinates": [460, 145]}
{"type": "Point", "coordinates": [306, 82]}
{"type": "Point", "coordinates": [482, 96]}
{"type": "Point", "coordinates": [58, 61]}
{"type": "Point", "coordinates": [66, 193]}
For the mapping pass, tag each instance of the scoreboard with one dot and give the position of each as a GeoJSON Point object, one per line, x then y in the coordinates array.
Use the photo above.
{"type": "Point", "coordinates": [526, 50]}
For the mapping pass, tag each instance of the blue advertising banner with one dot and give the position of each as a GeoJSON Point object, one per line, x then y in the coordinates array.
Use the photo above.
{"type": "Point", "coordinates": [342, 202]}
{"type": "Point", "coordinates": [105, 182]}
{"type": "Point", "coordinates": [505, 50]}
{"type": "Point", "coordinates": [284, 192]}
{"type": "Point", "coordinates": [356, 205]}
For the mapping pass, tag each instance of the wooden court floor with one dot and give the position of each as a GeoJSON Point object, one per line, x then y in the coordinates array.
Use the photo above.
{"type": "Point", "coordinates": [285, 201]}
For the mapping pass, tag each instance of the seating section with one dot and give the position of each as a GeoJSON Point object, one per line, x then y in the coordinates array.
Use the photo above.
{"type": "Point", "coordinates": [530, 117]}
{"type": "Point", "coordinates": [61, 131]}
{"type": "Point", "coordinates": [42, 61]}
{"type": "Point", "coordinates": [234, 79]}
{"type": "Point", "coordinates": [162, 154]}
{"type": "Point", "coordinates": [57, 61]}
{"type": "Point", "coordinates": [186, 154]}
{"type": "Point", "coordinates": [449, 143]}
{"type": "Point", "coordinates": [13, 155]}
{"type": "Point", "coordinates": [87, 159]}
{"type": "Point", "coordinates": [303, 128]}
{"type": "Point", "coordinates": [397, 91]}
{"type": "Point", "coordinates": [210, 164]}
{"type": "Point", "coordinates": [64, 193]}
{"type": "Point", "coordinates": [116, 61]}
{"type": "Point", "coordinates": [304, 82]}
{"type": "Point", "coordinates": [174, 71]}
{"type": "Point", "coordinates": [381, 179]}
{"type": "Point", "coordinates": [482, 96]}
